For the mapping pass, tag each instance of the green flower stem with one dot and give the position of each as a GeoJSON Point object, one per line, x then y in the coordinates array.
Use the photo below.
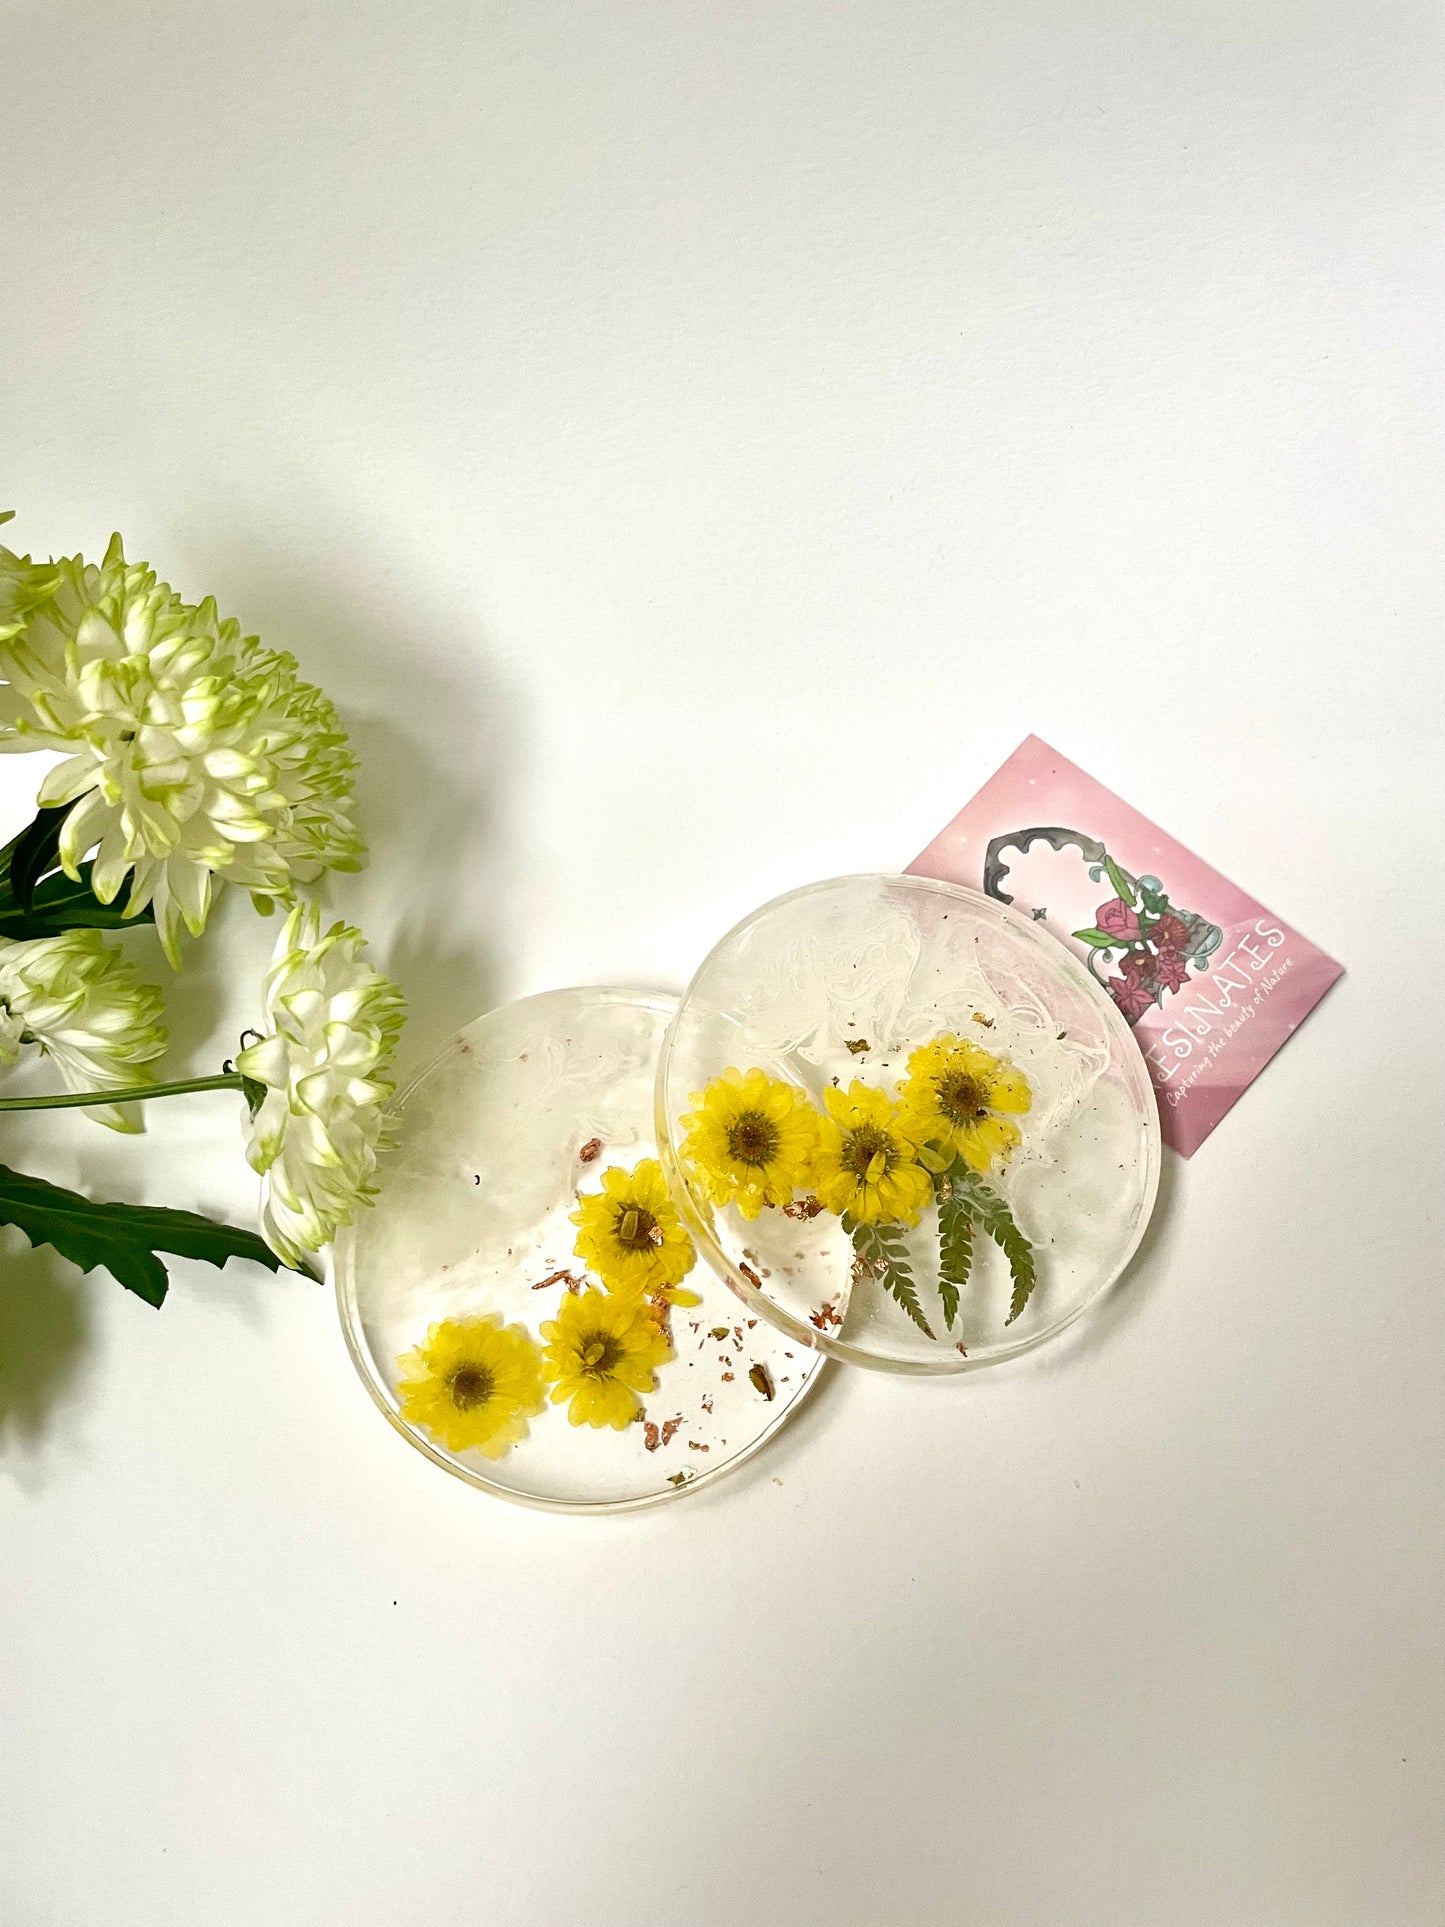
{"type": "Point", "coordinates": [132, 1094]}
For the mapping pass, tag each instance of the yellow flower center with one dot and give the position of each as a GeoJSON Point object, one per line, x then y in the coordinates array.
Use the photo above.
{"type": "Point", "coordinates": [868, 1152]}
{"type": "Point", "coordinates": [600, 1356]}
{"type": "Point", "coordinates": [961, 1097]}
{"type": "Point", "coordinates": [470, 1386]}
{"type": "Point", "coordinates": [752, 1138]}
{"type": "Point", "coordinates": [637, 1228]}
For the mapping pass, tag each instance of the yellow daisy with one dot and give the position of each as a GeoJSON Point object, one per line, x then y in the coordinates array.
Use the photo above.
{"type": "Point", "coordinates": [629, 1233]}
{"type": "Point", "coordinates": [602, 1350]}
{"type": "Point", "coordinates": [472, 1384]}
{"type": "Point", "coordinates": [751, 1141]}
{"type": "Point", "coordinates": [868, 1159]}
{"type": "Point", "coordinates": [954, 1094]}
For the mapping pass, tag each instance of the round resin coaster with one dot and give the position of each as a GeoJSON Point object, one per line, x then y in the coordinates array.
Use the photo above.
{"type": "Point", "coordinates": [446, 1286]}
{"type": "Point", "coordinates": [906, 1124]}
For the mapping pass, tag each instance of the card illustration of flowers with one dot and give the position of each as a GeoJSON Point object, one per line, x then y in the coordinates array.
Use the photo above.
{"type": "Point", "coordinates": [1140, 946]}
{"type": "Point", "coordinates": [1143, 941]}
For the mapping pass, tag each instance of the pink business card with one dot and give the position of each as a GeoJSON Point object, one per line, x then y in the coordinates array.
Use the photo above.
{"type": "Point", "coordinates": [1211, 983]}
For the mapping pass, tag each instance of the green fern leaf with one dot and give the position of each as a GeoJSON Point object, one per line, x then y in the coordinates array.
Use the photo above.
{"type": "Point", "coordinates": [880, 1252]}
{"type": "Point", "coordinates": [995, 1219]}
{"type": "Point", "coordinates": [955, 1253]}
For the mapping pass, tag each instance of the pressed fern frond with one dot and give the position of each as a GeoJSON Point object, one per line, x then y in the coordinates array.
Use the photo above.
{"type": "Point", "coordinates": [955, 1253]}
{"type": "Point", "coordinates": [881, 1253]}
{"type": "Point", "coordinates": [994, 1218]}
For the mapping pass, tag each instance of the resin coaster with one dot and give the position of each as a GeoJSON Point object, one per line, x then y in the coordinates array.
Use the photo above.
{"type": "Point", "coordinates": [530, 1106]}
{"type": "Point", "coordinates": [839, 984]}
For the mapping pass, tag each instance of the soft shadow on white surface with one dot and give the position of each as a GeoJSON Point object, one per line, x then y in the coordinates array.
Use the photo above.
{"type": "Point", "coordinates": [434, 737]}
{"type": "Point", "coordinates": [1099, 1326]}
{"type": "Point", "coordinates": [45, 1335]}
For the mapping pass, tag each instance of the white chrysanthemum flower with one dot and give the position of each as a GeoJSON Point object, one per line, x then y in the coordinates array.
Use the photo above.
{"type": "Point", "coordinates": [85, 1006]}
{"type": "Point", "coordinates": [24, 585]}
{"type": "Point", "coordinates": [192, 753]}
{"type": "Point", "coordinates": [333, 1023]}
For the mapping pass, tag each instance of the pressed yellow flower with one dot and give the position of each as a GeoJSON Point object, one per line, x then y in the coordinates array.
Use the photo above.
{"type": "Point", "coordinates": [629, 1233]}
{"type": "Point", "coordinates": [602, 1350]}
{"type": "Point", "coordinates": [472, 1384]}
{"type": "Point", "coordinates": [751, 1141]}
{"type": "Point", "coordinates": [954, 1094]}
{"type": "Point", "coordinates": [868, 1159]}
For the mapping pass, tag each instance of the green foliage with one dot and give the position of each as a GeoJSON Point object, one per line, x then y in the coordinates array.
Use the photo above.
{"type": "Point", "coordinates": [254, 1094]}
{"type": "Point", "coordinates": [955, 1253]}
{"type": "Point", "coordinates": [966, 1206]}
{"type": "Point", "coordinates": [37, 899]}
{"type": "Point", "coordinates": [880, 1251]}
{"type": "Point", "coordinates": [61, 904]}
{"type": "Point", "coordinates": [124, 1238]}
{"type": "Point", "coordinates": [1097, 939]}
{"type": "Point", "coordinates": [996, 1221]}
{"type": "Point", "coordinates": [35, 852]}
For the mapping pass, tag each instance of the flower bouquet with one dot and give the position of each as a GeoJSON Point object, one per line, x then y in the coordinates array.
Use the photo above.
{"type": "Point", "coordinates": [191, 758]}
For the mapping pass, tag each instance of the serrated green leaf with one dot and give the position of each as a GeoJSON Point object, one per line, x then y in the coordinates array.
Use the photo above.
{"type": "Point", "coordinates": [35, 852]}
{"type": "Point", "coordinates": [995, 1219]}
{"type": "Point", "coordinates": [955, 1253]}
{"type": "Point", "coordinates": [124, 1238]}
{"type": "Point", "coordinates": [1123, 883]}
{"type": "Point", "coordinates": [881, 1252]}
{"type": "Point", "coordinates": [1096, 939]}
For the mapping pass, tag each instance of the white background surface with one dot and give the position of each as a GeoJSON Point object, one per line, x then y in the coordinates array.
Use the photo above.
{"type": "Point", "coordinates": [695, 444]}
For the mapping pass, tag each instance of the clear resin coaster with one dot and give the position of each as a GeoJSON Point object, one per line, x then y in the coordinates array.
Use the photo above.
{"type": "Point", "coordinates": [905, 1124]}
{"type": "Point", "coordinates": [452, 1287]}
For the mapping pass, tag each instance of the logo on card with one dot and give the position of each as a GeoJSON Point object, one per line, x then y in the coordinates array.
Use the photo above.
{"type": "Point", "coordinates": [1138, 945]}
{"type": "Point", "coordinates": [1210, 998]}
